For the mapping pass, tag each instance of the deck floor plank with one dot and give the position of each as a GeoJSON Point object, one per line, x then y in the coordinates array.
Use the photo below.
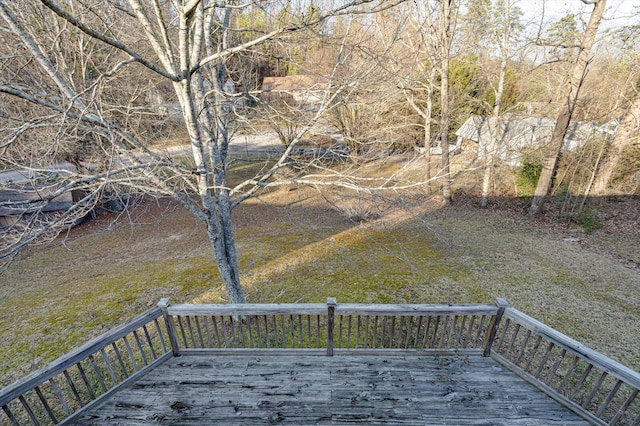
{"type": "Point", "coordinates": [311, 389]}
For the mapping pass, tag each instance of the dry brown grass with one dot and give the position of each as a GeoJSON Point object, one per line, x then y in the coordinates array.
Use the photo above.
{"type": "Point", "coordinates": [294, 247]}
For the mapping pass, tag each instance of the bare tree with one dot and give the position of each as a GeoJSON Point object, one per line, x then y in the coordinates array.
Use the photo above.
{"type": "Point", "coordinates": [502, 32]}
{"type": "Point", "coordinates": [562, 124]}
{"type": "Point", "coordinates": [189, 47]}
{"type": "Point", "coordinates": [447, 23]}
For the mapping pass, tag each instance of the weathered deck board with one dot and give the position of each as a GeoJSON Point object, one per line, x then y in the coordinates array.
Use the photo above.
{"type": "Point", "coordinates": [311, 389]}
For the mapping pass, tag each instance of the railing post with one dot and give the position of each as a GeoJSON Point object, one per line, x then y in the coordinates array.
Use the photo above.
{"type": "Point", "coordinates": [331, 309]}
{"type": "Point", "coordinates": [493, 328]}
{"type": "Point", "coordinates": [171, 329]}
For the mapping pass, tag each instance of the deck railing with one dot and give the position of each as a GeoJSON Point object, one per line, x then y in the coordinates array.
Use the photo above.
{"type": "Point", "coordinates": [73, 383]}
{"type": "Point", "coordinates": [601, 390]}
{"type": "Point", "coordinates": [604, 391]}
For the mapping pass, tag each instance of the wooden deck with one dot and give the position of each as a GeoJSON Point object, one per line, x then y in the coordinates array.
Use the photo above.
{"type": "Point", "coordinates": [385, 388]}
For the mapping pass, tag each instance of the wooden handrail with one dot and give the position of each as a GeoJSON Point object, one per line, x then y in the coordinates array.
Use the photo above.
{"type": "Point", "coordinates": [414, 310]}
{"type": "Point", "coordinates": [596, 359]}
{"type": "Point", "coordinates": [248, 309]}
{"type": "Point", "coordinates": [63, 363]}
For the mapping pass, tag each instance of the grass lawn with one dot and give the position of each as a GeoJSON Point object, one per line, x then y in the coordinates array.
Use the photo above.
{"type": "Point", "coordinates": [294, 247]}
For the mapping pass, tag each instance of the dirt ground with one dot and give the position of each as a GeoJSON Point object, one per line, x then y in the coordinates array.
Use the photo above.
{"type": "Point", "coordinates": [295, 247]}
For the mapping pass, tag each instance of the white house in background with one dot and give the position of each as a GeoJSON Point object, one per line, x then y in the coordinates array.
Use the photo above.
{"type": "Point", "coordinates": [516, 134]}
{"type": "Point", "coordinates": [303, 89]}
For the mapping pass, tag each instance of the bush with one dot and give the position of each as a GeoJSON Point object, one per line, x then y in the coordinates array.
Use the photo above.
{"type": "Point", "coordinates": [527, 175]}
{"type": "Point", "coordinates": [589, 221]}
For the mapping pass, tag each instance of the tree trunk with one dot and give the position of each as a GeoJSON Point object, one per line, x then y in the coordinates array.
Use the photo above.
{"type": "Point", "coordinates": [550, 165]}
{"type": "Point", "coordinates": [444, 98]}
{"type": "Point", "coordinates": [495, 134]}
{"type": "Point", "coordinates": [220, 233]}
{"type": "Point", "coordinates": [428, 116]}
{"type": "Point", "coordinates": [626, 135]}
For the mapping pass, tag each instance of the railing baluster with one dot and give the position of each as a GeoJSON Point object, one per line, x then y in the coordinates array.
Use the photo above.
{"type": "Point", "coordinates": [9, 414]}
{"type": "Point", "coordinates": [533, 353]}
{"type": "Point", "coordinates": [544, 360]}
{"type": "Point", "coordinates": [232, 326]}
{"type": "Point", "coordinates": [72, 386]}
{"type": "Point", "coordinates": [595, 390]}
{"type": "Point", "coordinates": [97, 372]}
{"type": "Point", "coordinates": [149, 341]}
{"type": "Point", "coordinates": [568, 374]}
{"type": "Point", "coordinates": [250, 332]}
{"type": "Point", "coordinates": [207, 331]}
{"type": "Point", "coordinates": [453, 336]}
{"type": "Point", "coordinates": [504, 332]}
{"type": "Point", "coordinates": [359, 325]}
{"type": "Point", "coordinates": [266, 330]}
{"type": "Point", "coordinates": [160, 336]}
{"type": "Point", "coordinates": [300, 332]}
{"type": "Point", "coordinates": [293, 331]}
{"type": "Point", "coordinates": [339, 343]}
{"type": "Point", "coordinates": [581, 381]}
{"type": "Point", "coordinates": [435, 332]}
{"type": "Point", "coordinates": [130, 352]}
{"type": "Point", "coordinates": [623, 409]}
{"type": "Point", "coordinates": [383, 332]}
{"type": "Point", "coordinates": [139, 345]}
{"type": "Point", "coordinates": [199, 330]}
{"type": "Point", "coordinates": [375, 332]}
{"type": "Point", "coordinates": [184, 335]}
{"type": "Point", "coordinates": [416, 343]}
{"type": "Point", "coordinates": [349, 332]}
{"type": "Point", "coordinates": [462, 342]}
{"type": "Point", "coordinates": [609, 398]}
{"type": "Point", "coordinates": [120, 361]}
{"type": "Point", "coordinates": [309, 335]}
{"type": "Point", "coordinates": [483, 318]}
{"type": "Point", "coordinates": [225, 336]}
{"type": "Point", "coordinates": [408, 334]}
{"type": "Point", "coordinates": [214, 322]}
{"type": "Point", "coordinates": [393, 326]}
{"type": "Point", "coordinates": [426, 332]}
{"type": "Point", "coordinates": [28, 409]}
{"type": "Point", "coordinates": [45, 404]}
{"type": "Point", "coordinates": [552, 374]}
{"type": "Point", "coordinates": [86, 381]}
{"type": "Point", "coordinates": [283, 328]}
{"type": "Point", "coordinates": [191, 334]}
{"type": "Point", "coordinates": [243, 340]}
{"type": "Point", "coordinates": [366, 332]}
{"type": "Point", "coordinates": [445, 328]}
{"type": "Point", "coordinates": [522, 347]}
{"type": "Point", "coordinates": [112, 373]}
{"type": "Point", "coordinates": [467, 340]}
{"type": "Point", "coordinates": [60, 396]}
{"type": "Point", "coordinates": [259, 340]}
{"type": "Point", "coordinates": [513, 340]}
{"type": "Point", "coordinates": [318, 342]}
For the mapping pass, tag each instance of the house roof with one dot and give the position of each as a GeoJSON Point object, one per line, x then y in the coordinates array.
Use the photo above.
{"type": "Point", "coordinates": [24, 190]}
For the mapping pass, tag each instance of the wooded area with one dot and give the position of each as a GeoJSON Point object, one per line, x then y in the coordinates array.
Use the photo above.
{"type": "Point", "coordinates": [104, 85]}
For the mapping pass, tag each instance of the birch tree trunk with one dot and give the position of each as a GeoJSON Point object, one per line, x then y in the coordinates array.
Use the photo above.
{"type": "Point", "coordinates": [545, 182]}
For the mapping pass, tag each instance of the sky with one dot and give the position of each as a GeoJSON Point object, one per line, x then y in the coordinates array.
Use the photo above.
{"type": "Point", "coordinates": [618, 12]}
